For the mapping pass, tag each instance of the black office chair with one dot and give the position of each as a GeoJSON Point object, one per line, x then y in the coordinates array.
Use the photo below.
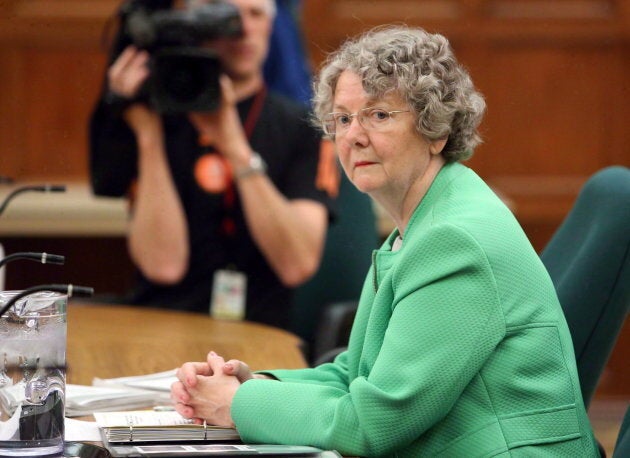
{"type": "Point", "coordinates": [333, 330]}
{"type": "Point", "coordinates": [345, 262]}
{"type": "Point", "coordinates": [588, 260]}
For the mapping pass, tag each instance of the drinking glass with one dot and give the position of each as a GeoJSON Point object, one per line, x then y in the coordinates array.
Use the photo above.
{"type": "Point", "coordinates": [32, 374]}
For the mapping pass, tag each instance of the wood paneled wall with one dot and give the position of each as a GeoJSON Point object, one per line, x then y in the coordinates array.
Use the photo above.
{"type": "Point", "coordinates": [554, 73]}
{"type": "Point", "coordinates": [51, 66]}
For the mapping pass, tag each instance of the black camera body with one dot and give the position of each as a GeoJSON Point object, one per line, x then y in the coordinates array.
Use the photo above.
{"type": "Point", "coordinates": [184, 75]}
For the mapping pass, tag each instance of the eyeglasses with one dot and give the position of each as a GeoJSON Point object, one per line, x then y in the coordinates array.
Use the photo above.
{"type": "Point", "coordinates": [370, 118]}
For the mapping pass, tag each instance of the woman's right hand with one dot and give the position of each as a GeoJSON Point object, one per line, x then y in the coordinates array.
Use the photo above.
{"type": "Point", "coordinates": [234, 367]}
{"type": "Point", "coordinates": [188, 375]}
{"type": "Point", "coordinates": [204, 392]}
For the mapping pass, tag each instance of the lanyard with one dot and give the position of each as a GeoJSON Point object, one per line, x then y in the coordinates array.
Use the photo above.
{"type": "Point", "coordinates": [211, 159]}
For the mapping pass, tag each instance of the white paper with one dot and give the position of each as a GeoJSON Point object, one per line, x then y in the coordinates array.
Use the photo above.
{"type": "Point", "coordinates": [140, 418]}
{"type": "Point", "coordinates": [162, 384]}
{"type": "Point", "coordinates": [81, 431]}
{"type": "Point", "coordinates": [84, 400]}
{"type": "Point", "coordinates": [159, 381]}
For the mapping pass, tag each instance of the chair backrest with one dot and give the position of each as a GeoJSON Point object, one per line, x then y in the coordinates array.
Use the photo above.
{"type": "Point", "coordinates": [333, 330]}
{"type": "Point", "coordinates": [587, 259]}
{"type": "Point", "coordinates": [622, 446]}
{"type": "Point", "coordinates": [346, 260]}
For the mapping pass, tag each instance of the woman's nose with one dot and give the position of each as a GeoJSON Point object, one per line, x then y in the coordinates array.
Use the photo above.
{"type": "Point", "coordinates": [356, 133]}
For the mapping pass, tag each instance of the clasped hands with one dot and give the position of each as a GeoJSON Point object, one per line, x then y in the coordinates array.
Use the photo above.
{"type": "Point", "coordinates": [205, 390]}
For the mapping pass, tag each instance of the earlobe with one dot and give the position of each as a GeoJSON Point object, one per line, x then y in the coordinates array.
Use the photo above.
{"type": "Point", "coordinates": [437, 146]}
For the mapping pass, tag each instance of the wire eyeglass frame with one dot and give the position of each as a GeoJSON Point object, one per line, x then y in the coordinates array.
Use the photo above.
{"type": "Point", "coordinates": [370, 118]}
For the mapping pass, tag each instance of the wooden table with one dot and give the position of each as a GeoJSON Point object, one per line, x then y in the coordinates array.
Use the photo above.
{"type": "Point", "coordinates": [113, 341]}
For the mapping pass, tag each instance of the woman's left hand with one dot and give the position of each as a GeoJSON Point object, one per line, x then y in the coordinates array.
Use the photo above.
{"type": "Point", "coordinates": [205, 392]}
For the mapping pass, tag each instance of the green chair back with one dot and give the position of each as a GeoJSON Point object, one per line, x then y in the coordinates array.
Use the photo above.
{"type": "Point", "coordinates": [587, 259]}
{"type": "Point", "coordinates": [622, 446]}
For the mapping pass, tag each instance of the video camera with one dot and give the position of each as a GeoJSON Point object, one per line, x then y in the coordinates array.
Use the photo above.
{"type": "Point", "coordinates": [184, 76]}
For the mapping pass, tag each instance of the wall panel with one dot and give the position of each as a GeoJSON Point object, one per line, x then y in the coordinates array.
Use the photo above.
{"type": "Point", "coordinates": [548, 110]}
{"type": "Point", "coordinates": [60, 147]}
{"type": "Point", "coordinates": [52, 64]}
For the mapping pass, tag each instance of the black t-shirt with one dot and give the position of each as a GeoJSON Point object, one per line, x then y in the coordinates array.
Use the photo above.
{"type": "Point", "coordinates": [288, 144]}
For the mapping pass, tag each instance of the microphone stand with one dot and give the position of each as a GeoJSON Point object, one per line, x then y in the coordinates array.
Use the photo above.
{"type": "Point", "coordinates": [11, 196]}
{"type": "Point", "coordinates": [36, 188]}
{"type": "Point", "coordinates": [44, 258]}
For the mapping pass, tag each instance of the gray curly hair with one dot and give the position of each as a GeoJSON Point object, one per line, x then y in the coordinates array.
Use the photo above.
{"type": "Point", "coordinates": [422, 68]}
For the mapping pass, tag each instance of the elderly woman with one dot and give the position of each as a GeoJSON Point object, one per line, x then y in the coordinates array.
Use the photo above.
{"type": "Point", "coordinates": [459, 346]}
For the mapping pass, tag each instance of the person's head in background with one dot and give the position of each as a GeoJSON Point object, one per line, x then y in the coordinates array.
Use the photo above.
{"type": "Point", "coordinates": [242, 58]}
{"type": "Point", "coordinates": [427, 105]}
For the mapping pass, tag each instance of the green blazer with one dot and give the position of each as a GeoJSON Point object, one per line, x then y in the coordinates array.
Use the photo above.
{"type": "Point", "coordinates": [459, 348]}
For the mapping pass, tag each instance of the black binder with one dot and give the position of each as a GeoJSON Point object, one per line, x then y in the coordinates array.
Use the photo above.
{"type": "Point", "coordinates": [215, 450]}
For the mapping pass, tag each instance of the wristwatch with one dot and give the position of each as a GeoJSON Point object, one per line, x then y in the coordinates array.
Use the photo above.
{"type": "Point", "coordinates": [256, 166]}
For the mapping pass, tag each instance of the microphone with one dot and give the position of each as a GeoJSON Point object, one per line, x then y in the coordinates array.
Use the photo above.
{"type": "Point", "coordinates": [35, 188]}
{"type": "Point", "coordinates": [70, 290]}
{"type": "Point", "coordinates": [44, 258]}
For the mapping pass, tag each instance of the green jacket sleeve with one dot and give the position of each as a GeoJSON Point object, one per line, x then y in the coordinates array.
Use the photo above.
{"type": "Point", "coordinates": [334, 375]}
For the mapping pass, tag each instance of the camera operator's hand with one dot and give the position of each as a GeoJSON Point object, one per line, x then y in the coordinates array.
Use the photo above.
{"type": "Point", "coordinates": [222, 128]}
{"type": "Point", "coordinates": [128, 72]}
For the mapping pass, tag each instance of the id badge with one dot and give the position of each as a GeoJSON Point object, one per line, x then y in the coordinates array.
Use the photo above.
{"type": "Point", "coordinates": [228, 295]}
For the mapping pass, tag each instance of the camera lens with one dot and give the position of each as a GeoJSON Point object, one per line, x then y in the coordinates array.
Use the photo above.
{"type": "Point", "coordinates": [185, 79]}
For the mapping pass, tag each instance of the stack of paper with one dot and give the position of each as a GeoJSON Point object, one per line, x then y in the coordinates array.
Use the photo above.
{"type": "Point", "coordinates": [149, 426]}
{"type": "Point", "coordinates": [84, 400]}
{"type": "Point", "coordinates": [123, 393]}
{"type": "Point", "coordinates": [159, 381]}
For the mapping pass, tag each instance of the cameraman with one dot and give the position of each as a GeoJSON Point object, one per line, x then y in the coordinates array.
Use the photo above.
{"type": "Point", "coordinates": [228, 207]}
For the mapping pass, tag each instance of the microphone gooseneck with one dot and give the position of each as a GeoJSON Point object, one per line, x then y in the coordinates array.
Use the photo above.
{"type": "Point", "coordinates": [44, 258]}
{"type": "Point", "coordinates": [33, 188]}
{"type": "Point", "coordinates": [70, 290]}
